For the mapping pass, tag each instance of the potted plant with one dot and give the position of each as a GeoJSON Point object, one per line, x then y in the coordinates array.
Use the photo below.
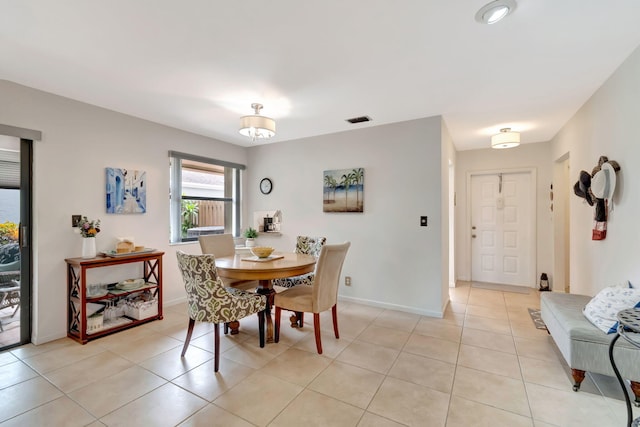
{"type": "Point", "coordinates": [250, 234]}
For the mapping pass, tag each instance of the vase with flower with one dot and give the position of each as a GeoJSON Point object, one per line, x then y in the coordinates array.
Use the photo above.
{"type": "Point", "coordinates": [88, 230]}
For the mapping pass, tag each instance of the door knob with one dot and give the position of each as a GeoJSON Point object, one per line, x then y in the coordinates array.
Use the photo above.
{"type": "Point", "coordinates": [473, 228]}
{"type": "Point", "coordinates": [473, 236]}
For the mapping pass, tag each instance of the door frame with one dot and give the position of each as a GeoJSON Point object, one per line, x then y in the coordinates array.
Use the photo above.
{"type": "Point", "coordinates": [533, 218]}
{"type": "Point", "coordinates": [27, 137]}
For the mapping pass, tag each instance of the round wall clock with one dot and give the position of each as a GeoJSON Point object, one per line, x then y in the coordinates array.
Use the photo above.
{"type": "Point", "coordinates": [266, 186]}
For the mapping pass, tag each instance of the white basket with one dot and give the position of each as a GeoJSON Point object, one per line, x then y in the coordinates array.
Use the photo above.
{"type": "Point", "coordinates": [95, 323]}
{"type": "Point", "coordinates": [141, 309]}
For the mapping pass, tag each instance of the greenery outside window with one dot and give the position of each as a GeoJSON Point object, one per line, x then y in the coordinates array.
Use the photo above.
{"type": "Point", "coordinates": [204, 197]}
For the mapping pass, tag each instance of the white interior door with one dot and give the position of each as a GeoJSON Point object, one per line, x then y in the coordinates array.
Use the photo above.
{"type": "Point", "coordinates": [502, 228]}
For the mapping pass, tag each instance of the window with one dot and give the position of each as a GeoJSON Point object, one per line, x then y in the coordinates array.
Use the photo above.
{"type": "Point", "coordinates": [204, 197]}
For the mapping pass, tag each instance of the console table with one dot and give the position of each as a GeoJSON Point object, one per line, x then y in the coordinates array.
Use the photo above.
{"type": "Point", "coordinates": [81, 325]}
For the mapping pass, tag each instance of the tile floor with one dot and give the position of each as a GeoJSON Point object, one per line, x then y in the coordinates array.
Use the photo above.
{"type": "Point", "coordinates": [484, 364]}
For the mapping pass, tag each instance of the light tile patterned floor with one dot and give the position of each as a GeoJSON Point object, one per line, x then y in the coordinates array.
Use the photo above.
{"type": "Point", "coordinates": [483, 364]}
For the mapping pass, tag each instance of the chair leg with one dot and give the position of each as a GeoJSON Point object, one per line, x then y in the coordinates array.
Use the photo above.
{"type": "Point", "coordinates": [334, 313]}
{"type": "Point", "coordinates": [300, 316]}
{"type": "Point", "coordinates": [226, 328]}
{"type": "Point", "coordinates": [216, 346]}
{"type": "Point", "coordinates": [276, 332]}
{"type": "Point", "coordinates": [188, 339]}
{"type": "Point", "coordinates": [316, 330]}
{"type": "Point", "coordinates": [261, 315]}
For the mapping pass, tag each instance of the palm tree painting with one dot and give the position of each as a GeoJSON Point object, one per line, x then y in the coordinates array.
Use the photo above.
{"type": "Point", "coordinates": [343, 190]}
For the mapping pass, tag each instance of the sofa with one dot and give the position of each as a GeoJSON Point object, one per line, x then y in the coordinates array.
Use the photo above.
{"type": "Point", "coordinates": [585, 347]}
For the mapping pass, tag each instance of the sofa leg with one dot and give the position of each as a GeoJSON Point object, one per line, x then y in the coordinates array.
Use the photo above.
{"type": "Point", "coordinates": [635, 388]}
{"type": "Point", "coordinates": [578, 377]}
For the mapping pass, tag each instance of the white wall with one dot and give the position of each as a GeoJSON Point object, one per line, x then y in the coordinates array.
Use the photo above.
{"type": "Point", "coordinates": [525, 156]}
{"type": "Point", "coordinates": [607, 125]}
{"type": "Point", "coordinates": [78, 142]}
{"type": "Point", "coordinates": [393, 261]}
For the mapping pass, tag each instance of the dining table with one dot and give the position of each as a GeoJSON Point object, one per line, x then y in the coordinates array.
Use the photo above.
{"type": "Point", "coordinates": [278, 265]}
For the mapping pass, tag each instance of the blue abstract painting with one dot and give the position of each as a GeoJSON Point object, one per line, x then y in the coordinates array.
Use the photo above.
{"type": "Point", "coordinates": [126, 191]}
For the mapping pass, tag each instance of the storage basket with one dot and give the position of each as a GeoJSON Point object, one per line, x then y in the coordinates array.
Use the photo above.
{"type": "Point", "coordinates": [141, 309]}
{"type": "Point", "coordinates": [95, 323]}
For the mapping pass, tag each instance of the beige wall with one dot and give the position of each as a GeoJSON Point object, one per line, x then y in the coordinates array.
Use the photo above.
{"type": "Point", "coordinates": [607, 124]}
{"type": "Point", "coordinates": [393, 261]}
{"type": "Point", "coordinates": [78, 142]}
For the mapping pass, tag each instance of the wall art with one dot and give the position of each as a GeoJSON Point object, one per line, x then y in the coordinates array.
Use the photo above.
{"type": "Point", "coordinates": [343, 190]}
{"type": "Point", "coordinates": [126, 191]}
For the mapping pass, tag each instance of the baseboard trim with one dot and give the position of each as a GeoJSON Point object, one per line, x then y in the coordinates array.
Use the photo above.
{"type": "Point", "coordinates": [404, 308]}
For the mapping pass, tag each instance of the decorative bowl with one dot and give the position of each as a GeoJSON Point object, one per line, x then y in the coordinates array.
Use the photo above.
{"type": "Point", "coordinates": [262, 251]}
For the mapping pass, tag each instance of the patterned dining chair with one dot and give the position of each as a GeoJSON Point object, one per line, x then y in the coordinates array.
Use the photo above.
{"type": "Point", "coordinates": [220, 245]}
{"type": "Point", "coordinates": [322, 295]}
{"type": "Point", "coordinates": [209, 301]}
{"type": "Point", "coordinates": [308, 246]}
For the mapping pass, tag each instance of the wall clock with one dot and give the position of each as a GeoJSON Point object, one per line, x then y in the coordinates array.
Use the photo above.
{"type": "Point", "coordinates": [266, 186]}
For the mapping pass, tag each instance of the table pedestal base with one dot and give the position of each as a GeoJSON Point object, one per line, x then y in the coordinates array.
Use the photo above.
{"type": "Point", "coordinates": [266, 289]}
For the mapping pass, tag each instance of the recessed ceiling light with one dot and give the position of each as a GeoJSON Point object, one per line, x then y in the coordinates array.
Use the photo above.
{"type": "Point", "coordinates": [495, 11]}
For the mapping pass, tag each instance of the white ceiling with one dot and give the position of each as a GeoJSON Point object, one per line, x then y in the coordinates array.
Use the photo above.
{"type": "Point", "coordinates": [198, 65]}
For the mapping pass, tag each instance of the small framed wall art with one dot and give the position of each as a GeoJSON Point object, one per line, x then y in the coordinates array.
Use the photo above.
{"type": "Point", "coordinates": [126, 191]}
{"type": "Point", "coordinates": [343, 190]}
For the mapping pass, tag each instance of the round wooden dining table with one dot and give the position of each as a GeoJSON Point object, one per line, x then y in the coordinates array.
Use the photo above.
{"type": "Point", "coordinates": [278, 265]}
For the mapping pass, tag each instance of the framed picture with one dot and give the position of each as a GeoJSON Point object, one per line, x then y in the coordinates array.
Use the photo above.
{"type": "Point", "coordinates": [126, 191]}
{"type": "Point", "coordinates": [343, 190]}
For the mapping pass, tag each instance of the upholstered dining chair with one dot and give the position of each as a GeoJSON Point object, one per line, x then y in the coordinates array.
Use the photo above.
{"type": "Point", "coordinates": [304, 245]}
{"type": "Point", "coordinates": [209, 301]}
{"type": "Point", "coordinates": [221, 245]}
{"type": "Point", "coordinates": [322, 295]}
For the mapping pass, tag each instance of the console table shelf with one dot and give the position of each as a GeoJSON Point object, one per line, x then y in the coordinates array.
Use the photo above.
{"type": "Point", "coordinates": [78, 325]}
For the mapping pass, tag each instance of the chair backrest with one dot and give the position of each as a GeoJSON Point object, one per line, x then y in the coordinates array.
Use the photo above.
{"type": "Point", "coordinates": [327, 279]}
{"type": "Point", "coordinates": [217, 244]}
{"type": "Point", "coordinates": [310, 245]}
{"type": "Point", "coordinates": [206, 294]}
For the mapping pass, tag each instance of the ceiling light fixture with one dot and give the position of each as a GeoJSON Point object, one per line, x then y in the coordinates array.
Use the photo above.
{"type": "Point", "coordinates": [505, 139]}
{"type": "Point", "coordinates": [257, 126]}
{"type": "Point", "coordinates": [495, 11]}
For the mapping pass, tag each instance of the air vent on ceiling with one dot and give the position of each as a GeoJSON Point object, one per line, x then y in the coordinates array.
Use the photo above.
{"type": "Point", "coordinates": [359, 119]}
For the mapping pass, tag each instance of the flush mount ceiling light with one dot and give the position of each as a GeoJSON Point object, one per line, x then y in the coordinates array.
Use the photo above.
{"type": "Point", "coordinates": [257, 126]}
{"type": "Point", "coordinates": [495, 11]}
{"type": "Point", "coordinates": [505, 139]}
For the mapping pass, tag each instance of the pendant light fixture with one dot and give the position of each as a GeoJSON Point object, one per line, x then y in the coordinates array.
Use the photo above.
{"type": "Point", "coordinates": [505, 139]}
{"type": "Point", "coordinates": [257, 126]}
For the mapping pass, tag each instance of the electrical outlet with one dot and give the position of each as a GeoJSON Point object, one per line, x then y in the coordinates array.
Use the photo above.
{"type": "Point", "coordinates": [75, 219]}
{"type": "Point", "coordinates": [347, 280]}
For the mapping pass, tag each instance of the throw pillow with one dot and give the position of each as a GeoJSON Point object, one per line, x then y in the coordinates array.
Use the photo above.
{"type": "Point", "coordinates": [603, 308]}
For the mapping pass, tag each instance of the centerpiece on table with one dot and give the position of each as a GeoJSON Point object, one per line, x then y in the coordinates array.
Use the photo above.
{"type": "Point", "coordinates": [88, 230]}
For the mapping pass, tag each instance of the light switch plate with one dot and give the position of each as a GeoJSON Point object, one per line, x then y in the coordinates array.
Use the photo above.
{"type": "Point", "coordinates": [75, 219]}
{"type": "Point", "coordinates": [423, 221]}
